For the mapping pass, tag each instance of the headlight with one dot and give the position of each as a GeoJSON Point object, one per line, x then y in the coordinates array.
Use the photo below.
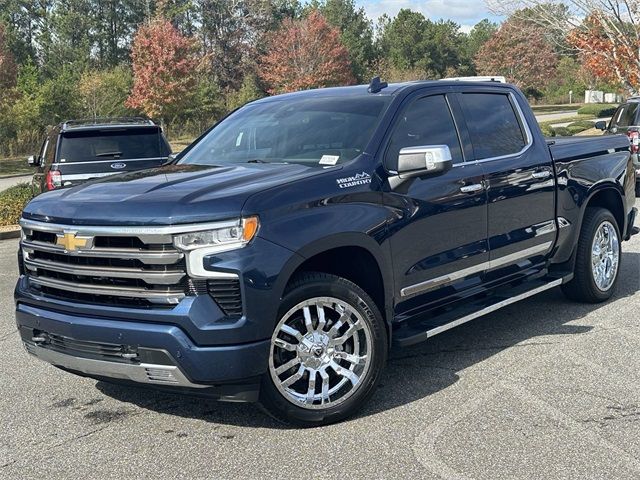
{"type": "Point", "coordinates": [228, 236]}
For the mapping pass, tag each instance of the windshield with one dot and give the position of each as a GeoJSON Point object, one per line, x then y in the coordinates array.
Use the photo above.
{"type": "Point", "coordinates": [120, 144]}
{"type": "Point", "coordinates": [316, 132]}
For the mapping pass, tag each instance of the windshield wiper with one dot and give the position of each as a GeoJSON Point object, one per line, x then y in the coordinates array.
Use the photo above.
{"type": "Point", "coordinates": [257, 160]}
{"type": "Point", "coordinates": [108, 154]}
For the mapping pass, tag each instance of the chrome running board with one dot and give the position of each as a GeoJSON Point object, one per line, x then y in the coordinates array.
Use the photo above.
{"type": "Point", "coordinates": [417, 335]}
{"type": "Point", "coordinates": [493, 308]}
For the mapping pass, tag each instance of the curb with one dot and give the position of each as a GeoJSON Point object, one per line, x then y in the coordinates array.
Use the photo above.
{"type": "Point", "coordinates": [16, 175]}
{"type": "Point", "coordinates": [7, 234]}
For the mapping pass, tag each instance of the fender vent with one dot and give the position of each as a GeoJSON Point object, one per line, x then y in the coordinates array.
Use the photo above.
{"type": "Point", "coordinates": [227, 294]}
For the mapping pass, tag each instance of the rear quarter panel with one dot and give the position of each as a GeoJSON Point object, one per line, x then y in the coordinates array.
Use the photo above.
{"type": "Point", "coordinates": [584, 167]}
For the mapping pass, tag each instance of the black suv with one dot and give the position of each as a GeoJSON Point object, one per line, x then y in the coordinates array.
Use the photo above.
{"type": "Point", "coordinates": [79, 150]}
{"type": "Point", "coordinates": [627, 120]}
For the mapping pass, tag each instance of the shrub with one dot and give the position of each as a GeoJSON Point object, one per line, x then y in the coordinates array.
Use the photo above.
{"type": "Point", "coordinates": [562, 132]}
{"type": "Point", "coordinates": [547, 130]}
{"type": "Point", "coordinates": [585, 124]}
{"type": "Point", "coordinates": [600, 110]}
{"type": "Point", "coordinates": [13, 201]}
{"type": "Point", "coordinates": [576, 129]}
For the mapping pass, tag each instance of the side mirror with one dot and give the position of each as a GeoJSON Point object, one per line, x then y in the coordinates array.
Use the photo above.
{"type": "Point", "coordinates": [600, 125]}
{"type": "Point", "coordinates": [171, 159]}
{"type": "Point", "coordinates": [33, 161]}
{"type": "Point", "coordinates": [422, 161]}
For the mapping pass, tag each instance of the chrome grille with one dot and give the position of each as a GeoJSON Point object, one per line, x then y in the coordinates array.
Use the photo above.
{"type": "Point", "coordinates": [111, 265]}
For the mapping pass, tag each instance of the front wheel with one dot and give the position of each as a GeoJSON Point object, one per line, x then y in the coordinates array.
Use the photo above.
{"type": "Point", "coordinates": [327, 352]}
{"type": "Point", "coordinates": [598, 258]}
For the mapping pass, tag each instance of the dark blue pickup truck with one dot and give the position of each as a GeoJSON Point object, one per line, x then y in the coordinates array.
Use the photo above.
{"type": "Point", "coordinates": [280, 256]}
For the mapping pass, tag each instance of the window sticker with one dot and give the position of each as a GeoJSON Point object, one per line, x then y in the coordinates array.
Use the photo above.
{"type": "Point", "coordinates": [329, 159]}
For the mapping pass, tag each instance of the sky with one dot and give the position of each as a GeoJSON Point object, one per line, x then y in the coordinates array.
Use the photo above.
{"type": "Point", "coordinates": [464, 12]}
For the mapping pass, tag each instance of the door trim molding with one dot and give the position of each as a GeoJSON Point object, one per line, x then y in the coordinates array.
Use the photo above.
{"type": "Point", "coordinates": [485, 266]}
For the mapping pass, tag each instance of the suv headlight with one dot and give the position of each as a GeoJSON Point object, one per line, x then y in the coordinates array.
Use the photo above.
{"type": "Point", "coordinates": [228, 236]}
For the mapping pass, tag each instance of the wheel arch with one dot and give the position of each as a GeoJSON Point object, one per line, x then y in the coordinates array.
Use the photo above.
{"type": "Point", "coordinates": [610, 197]}
{"type": "Point", "coordinates": [354, 256]}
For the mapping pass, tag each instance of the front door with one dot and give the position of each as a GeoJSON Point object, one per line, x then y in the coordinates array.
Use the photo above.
{"type": "Point", "coordinates": [439, 244]}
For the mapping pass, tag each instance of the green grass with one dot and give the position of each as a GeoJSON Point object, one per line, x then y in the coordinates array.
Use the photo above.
{"type": "Point", "coordinates": [14, 166]}
{"type": "Point", "coordinates": [599, 110]}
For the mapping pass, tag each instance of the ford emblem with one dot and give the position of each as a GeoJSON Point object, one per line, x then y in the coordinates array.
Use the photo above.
{"type": "Point", "coordinates": [118, 166]}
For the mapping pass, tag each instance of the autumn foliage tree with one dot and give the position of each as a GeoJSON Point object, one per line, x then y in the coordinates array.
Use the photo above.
{"type": "Point", "coordinates": [305, 53]}
{"type": "Point", "coordinates": [604, 33]}
{"type": "Point", "coordinates": [520, 51]}
{"type": "Point", "coordinates": [164, 69]}
{"type": "Point", "coordinates": [603, 56]}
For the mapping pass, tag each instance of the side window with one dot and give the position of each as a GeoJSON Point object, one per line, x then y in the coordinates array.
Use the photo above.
{"type": "Point", "coordinates": [493, 125]}
{"type": "Point", "coordinates": [616, 117]}
{"type": "Point", "coordinates": [626, 115]}
{"type": "Point", "coordinates": [426, 121]}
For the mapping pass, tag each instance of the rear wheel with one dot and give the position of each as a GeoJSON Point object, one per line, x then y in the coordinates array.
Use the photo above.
{"type": "Point", "coordinates": [598, 258]}
{"type": "Point", "coordinates": [327, 352]}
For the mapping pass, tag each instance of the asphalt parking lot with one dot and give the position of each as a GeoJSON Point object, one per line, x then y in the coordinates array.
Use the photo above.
{"type": "Point", "coordinates": [542, 389]}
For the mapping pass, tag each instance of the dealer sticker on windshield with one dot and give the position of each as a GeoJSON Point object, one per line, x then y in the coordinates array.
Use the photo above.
{"type": "Point", "coordinates": [329, 159]}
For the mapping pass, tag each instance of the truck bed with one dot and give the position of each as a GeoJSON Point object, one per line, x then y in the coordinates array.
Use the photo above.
{"type": "Point", "coordinates": [573, 148]}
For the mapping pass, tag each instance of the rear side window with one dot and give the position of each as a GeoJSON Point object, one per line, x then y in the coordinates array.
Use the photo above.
{"type": "Point", "coordinates": [426, 121]}
{"type": "Point", "coordinates": [120, 144]}
{"type": "Point", "coordinates": [493, 125]}
{"type": "Point", "coordinates": [626, 115]}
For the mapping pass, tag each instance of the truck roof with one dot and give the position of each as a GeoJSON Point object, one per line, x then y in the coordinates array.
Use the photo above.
{"type": "Point", "coordinates": [390, 90]}
{"type": "Point", "coordinates": [105, 123]}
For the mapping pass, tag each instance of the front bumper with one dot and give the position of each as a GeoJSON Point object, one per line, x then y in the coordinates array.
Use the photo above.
{"type": "Point", "coordinates": [161, 355]}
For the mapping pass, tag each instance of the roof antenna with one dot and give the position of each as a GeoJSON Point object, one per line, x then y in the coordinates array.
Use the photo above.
{"type": "Point", "coordinates": [376, 85]}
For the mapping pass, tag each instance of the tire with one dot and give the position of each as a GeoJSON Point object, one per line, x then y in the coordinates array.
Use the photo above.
{"type": "Point", "coordinates": [584, 287]}
{"type": "Point", "coordinates": [323, 320]}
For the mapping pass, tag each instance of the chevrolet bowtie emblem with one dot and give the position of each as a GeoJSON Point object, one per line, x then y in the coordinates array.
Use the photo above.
{"type": "Point", "coordinates": [71, 242]}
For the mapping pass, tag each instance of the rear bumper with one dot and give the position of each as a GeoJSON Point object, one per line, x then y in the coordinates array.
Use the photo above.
{"type": "Point", "coordinates": [152, 354]}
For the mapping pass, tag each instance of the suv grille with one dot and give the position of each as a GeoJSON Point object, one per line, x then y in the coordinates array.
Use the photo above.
{"type": "Point", "coordinates": [113, 268]}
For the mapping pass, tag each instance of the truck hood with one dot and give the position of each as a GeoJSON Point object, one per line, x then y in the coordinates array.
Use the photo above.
{"type": "Point", "coordinates": [168, 195]}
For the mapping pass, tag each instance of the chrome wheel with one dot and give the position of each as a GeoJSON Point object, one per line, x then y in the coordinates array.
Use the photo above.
{"type": "Point", "coordinates": [605, 256]}
{"type": "Point", "coordinates": [320, 353]}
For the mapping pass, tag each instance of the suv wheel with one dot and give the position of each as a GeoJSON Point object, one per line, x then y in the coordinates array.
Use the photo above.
{"type": "Point", "coordinates": [598, 258]}
{"type": "Point", "coordinates": [327, 352]}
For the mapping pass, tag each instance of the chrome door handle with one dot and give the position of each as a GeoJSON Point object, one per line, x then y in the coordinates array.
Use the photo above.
{"type": "Point", "coordinates": [476, 187]}
{"type": "Point", "coordinates": [541, 174]}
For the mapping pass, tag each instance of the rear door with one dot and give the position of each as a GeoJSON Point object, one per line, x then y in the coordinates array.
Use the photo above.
{"type": "Point", "coordinates": [439, 246]}
{"type": "Point", "coordinates": [92, 153]}
{"type": "Point", "coordinates": [519, 177]}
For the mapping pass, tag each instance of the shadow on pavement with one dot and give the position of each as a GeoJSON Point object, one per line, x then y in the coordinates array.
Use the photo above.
{"type": "Point", "coordinates": [419, 371]}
